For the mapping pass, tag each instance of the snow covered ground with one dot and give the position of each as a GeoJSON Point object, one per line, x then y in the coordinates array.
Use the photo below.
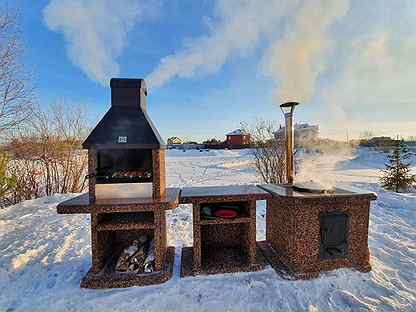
{"type": "Point", "coordinates": [43, 255]}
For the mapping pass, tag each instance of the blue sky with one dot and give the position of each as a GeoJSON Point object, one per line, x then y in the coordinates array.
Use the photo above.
{"type": "Point", "coordinates": [213, 64]}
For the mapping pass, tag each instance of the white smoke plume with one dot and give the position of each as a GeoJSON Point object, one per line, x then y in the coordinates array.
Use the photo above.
{"type": "Point", "coordinates": [321, 167]}
{"type": "Point", "coordinates": [96, 31]}
{"type": "Point", "coordinates": [237, 30]}
{"type": "Point", "coordinates": [296, 61]}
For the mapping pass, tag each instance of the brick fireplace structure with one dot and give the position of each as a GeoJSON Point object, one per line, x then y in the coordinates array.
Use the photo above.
{"type": "Point", "coordinates": [124, 145]}
{"type": "Point", "coordinates": [127, 196]}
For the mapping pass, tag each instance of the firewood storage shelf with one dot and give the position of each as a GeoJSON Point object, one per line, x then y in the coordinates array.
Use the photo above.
{"type": "Point", "coordinates": [126, 221]}
{"type": "Point", "coordinates": [109, 245]}
{"type": "Point", "coordinates": [223, 245]}
{"type": "Point", "coordinates": [114, 225]}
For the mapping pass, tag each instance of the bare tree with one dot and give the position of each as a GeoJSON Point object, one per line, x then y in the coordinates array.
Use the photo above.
{"type": "Point", "coordinates": [47, 155]}
{"type": "Point", "coordinates": [15, 90]}
{"type": "Point", "coordinates": [269, 153]}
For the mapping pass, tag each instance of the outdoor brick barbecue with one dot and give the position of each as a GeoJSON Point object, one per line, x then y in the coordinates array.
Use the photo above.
{"type": "Point", "coordinates": [127, 195]}
{"type": "Point", "coordinates": [308, 230]}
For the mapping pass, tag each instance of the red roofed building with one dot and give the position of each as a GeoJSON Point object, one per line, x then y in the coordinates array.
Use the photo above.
{"type": "Point", "coordinates": [238, 139]}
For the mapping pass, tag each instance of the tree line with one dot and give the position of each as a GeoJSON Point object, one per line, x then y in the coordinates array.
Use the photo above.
{"type": "Point", "coordinates": [39, 147]}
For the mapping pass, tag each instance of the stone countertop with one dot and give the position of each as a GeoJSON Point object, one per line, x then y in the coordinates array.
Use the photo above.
{"type": "Point", "coordinates": [81, 204]}
{"type": "Point", "coordinates": [283, 190]}
{"type": "Point", "coordinates": [223, 193]}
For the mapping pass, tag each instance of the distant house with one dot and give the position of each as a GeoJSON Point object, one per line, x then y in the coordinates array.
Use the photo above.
{"type": "Point", "coordinates": [238, 138]}
{"type": "Point", "coordinates": [174, 140]}
{"type": "Point", "coordinates": [303, 132]}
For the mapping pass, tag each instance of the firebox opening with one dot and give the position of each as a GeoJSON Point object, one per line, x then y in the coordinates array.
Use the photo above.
{"type": "Point", "coordinates": [117, 241]}
{"type": "Point", "coordinates": [334, 235]}
{"type": "Point", "coordinates": [124, 166]}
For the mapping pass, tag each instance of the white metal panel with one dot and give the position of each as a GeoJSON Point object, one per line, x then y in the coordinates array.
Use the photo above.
{"type": "Point", "coordinates": [124, 190]}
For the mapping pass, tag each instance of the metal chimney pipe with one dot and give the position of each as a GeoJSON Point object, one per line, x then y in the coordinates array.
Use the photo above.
{"type": "Point", "coordinates": [287, 109]}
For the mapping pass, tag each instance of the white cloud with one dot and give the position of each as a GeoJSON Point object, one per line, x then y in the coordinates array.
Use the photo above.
{"type": "Point", "coordinates": [237, 30]}
{"type": "Point", "coordinates": [96, 31]}
{"type": "Point", "coordinates": [377, 79]}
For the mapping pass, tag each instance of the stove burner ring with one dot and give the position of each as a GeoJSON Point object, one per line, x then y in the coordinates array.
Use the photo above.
{"type": "Point", "coordinates": [304, 189]}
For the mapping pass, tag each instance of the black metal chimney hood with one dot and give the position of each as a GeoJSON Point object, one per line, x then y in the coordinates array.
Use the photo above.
{"type": "Point", "coordinates": [126, 124]}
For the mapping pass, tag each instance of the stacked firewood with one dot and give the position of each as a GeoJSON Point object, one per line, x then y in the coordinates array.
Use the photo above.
{"type": "Point", "coordinates": [139, 257]}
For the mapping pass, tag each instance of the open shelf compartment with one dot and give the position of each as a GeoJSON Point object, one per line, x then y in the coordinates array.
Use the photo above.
{"type": "Point", "coordinates": [224, 247]}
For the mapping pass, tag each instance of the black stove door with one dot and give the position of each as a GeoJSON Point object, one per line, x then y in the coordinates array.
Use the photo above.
{"type": "Point", "coordinates": [334, 235]}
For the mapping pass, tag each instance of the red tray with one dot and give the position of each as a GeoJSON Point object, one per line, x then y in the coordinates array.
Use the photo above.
{"type": "Point", "coordinates": [226, 214]}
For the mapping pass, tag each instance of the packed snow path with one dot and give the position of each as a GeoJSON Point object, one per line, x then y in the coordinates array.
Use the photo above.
{"type": "Point", "coordinates": [43, 255]}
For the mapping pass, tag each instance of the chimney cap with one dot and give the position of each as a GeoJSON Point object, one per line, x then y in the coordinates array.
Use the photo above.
{"type": "Point", "coordinates": [289, 104]}
{"type": "Point", "coordinates": [288, 107]}
{"type": "Point", "coordinates": [128, 83]}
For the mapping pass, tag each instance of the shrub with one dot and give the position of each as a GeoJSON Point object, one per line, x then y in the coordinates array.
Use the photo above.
{"type": "Point", "coordinates": [397, 177]}
{"type": "Point", "coordinates": [7, 182]}
{"type": "Point", "coordinates": [47, 157]}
